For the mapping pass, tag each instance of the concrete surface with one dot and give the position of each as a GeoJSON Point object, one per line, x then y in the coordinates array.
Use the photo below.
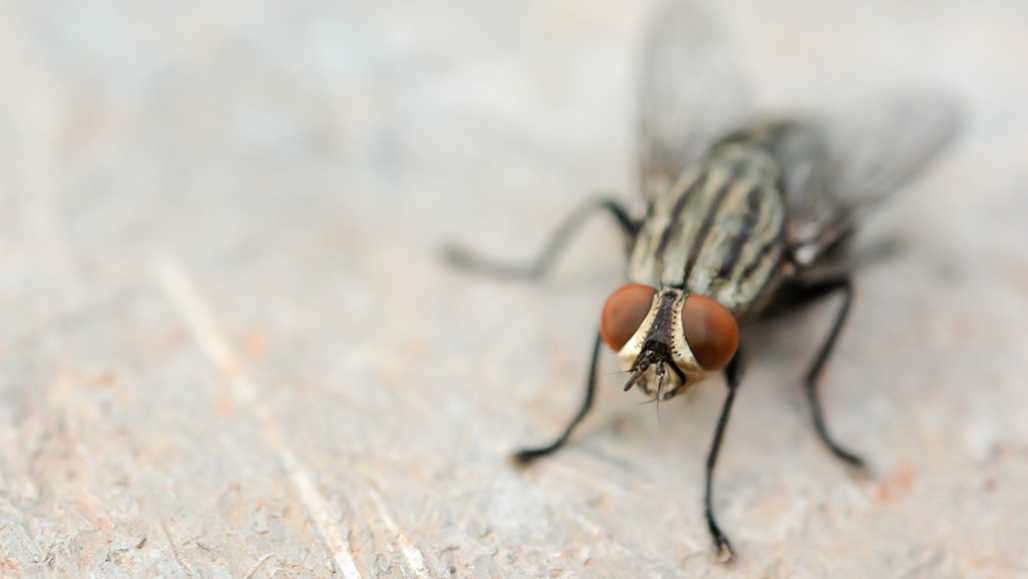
{"type": "Point", "coordinates": [229, 347]}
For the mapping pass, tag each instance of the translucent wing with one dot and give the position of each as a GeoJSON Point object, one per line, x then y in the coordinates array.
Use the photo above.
{"type": "Point", "coordinates": [857, 160]}
{"type": "Point", "coordinates": [692, 92]}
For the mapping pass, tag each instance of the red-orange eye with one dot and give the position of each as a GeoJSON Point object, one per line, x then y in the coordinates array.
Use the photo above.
{"type": "Point", "coordinates": [710, 330]}
{"type": "Point", "coordinates": [624, 312]}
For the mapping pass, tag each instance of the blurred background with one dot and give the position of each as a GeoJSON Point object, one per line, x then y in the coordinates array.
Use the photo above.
{"type": "Point", "coordinates": [230, 346]}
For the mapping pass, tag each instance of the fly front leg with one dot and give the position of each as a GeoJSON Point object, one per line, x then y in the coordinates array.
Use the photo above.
{"type": "Point", "coordinates": [528, 455]}
{"type": "Point", "coordinates": [801, 292]}
{"type": "Point", "coordinates": [733, 375]}
{"type": "Point", "coordinates": [542, 264]}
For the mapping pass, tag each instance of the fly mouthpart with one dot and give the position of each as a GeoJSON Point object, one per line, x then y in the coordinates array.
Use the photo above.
{"type": "Point", "coordinates": [660, 371]}
{"type": "Point", "coordinates": [653, 357]}
{"type": "Point", "coordinates": [639, 371]}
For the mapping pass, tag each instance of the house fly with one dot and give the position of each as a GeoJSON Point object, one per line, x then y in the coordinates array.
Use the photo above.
{"type": "Point", "coordinates": [745, 219]}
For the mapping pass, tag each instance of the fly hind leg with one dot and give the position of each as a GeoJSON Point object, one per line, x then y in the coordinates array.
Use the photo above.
{"type": "Point", "coordinates": [544, 261]}
{"type": "Point", "coordinates": [798, 293]}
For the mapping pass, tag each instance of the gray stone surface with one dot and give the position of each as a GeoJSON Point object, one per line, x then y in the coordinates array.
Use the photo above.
{"type": "Point", "coordinates": [230, 349]}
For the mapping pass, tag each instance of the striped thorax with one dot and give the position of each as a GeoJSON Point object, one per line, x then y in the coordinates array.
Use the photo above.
{"type": "Point", "coordinates": [717, 233]}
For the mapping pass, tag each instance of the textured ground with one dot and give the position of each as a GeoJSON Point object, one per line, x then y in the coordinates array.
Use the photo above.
{"type": "Point", "coordinates": [229, 347]}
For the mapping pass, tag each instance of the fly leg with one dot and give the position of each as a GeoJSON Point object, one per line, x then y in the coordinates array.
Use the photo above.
{"type": "Point", "coordinates": [542, 264]}
{"type": "Point", "coordinates": [803, 292]}
{"type": "Point", "coordinates": [845, 285]}
{"type": "Point", "coordinates": [526, 456]}
{"type": "Point", "coordinates": [733, 375]}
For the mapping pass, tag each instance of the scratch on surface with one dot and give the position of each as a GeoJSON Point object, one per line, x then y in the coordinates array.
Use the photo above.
{"type": "Point", "coordinates": [256, 566]}
{"type": "Point", "coordinates": [176, 284]}
{"type": "Point", "coordinates": [184, 565]}
{"type": "Point", "coordinates": [410, 552]}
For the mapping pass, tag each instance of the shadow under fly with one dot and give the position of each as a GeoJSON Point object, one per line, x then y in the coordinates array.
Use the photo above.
{"type": "Point", "coordinates": [746, 219]}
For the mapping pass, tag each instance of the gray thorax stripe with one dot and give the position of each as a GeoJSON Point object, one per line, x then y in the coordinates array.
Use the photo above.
{"type": "Point", "coordinates": [718, 232]}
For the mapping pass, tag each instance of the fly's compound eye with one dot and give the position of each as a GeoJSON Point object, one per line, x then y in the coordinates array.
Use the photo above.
{"type": "Point", "coordinates": [710, 330]}
{"type": "Point", "coordinates": [623, 313]}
